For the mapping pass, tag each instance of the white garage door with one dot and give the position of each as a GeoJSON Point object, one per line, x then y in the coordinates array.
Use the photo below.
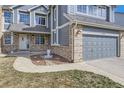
{"type": "Point", "coordinates": [96, 47]}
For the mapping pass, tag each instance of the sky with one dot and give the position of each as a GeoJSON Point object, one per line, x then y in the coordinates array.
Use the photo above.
{"type": "Point", "coordinates": [120, 8]}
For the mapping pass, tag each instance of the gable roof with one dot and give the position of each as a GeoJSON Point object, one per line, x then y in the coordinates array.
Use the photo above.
{"type": "Point", "coordinates": [32, 8]}
{"type": "Point", "coordinates": [89, 21]}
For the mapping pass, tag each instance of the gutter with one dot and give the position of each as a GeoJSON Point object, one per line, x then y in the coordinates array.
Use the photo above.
{"type": "Point", "coordinates": [100, 25]}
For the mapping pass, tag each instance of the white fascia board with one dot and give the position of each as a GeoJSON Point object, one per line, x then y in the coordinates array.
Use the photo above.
{"type": "Point", "coordinates": [36, 7]}
{"type": "Point", "coordinates": [98, 25]}
{"type": "Point", "coordinates": [100, 33]}
{"type": "Point", "coordinates": [33, 7]}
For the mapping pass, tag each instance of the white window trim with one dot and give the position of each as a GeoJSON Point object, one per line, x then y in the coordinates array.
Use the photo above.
{"type": "Point", "coordinates": [41, 24]}
{"type": "Point", "coordinates": [3, 22]}
{"type": "Point", "coordinates": [87, 13]}
{"type": "Point", "coordinates": [4, 18]}
{"type": "Point", "coordinates": [21, 12]}
{"type": "Point", "coordinates": [38, 44]}
{"type": "Point", "coordinates": [4, 40]}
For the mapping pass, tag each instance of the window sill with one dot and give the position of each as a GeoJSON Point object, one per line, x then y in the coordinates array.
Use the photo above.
{"type": "Point", "coordinates": [55, 44]}
{"type": "Point", "coordinates": [40, 25]}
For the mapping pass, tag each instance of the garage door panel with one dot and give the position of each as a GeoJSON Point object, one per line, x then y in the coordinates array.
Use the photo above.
{"type": "Point", "coordinates": [95, 47]}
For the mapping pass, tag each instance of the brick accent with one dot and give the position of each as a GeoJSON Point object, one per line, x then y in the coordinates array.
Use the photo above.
{"type": "Point", "coordinates": [122, 44]}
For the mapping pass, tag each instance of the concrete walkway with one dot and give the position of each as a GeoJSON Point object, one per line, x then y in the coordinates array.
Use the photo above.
{"type": "Point", "coordinates": [24, 64]}
{"type": "Point", "coordinates": [2, 55]}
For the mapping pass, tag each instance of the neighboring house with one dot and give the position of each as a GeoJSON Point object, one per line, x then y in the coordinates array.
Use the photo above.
{"type": "Point", "coordinates": [75, 32]}
{"type": "Point", "coordinates": [119, 18]}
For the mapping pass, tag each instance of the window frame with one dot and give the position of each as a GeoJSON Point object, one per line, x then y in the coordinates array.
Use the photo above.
{"type": "Point", "coordinates": [41, 17]}
{"type": "Point", "coordinates": [91, 10]}
{"type": "Point", "coordinates": [26, 13]}
{"type": "Point", "coordinates": [102, 11]}
{"type": "Point", "coordinates": [4, 39]}
{"type": "Point", "coordinates": [82, 11]}
{"type": "Point", "coordinates": [90, 15]}
{"type": "Point", "coordinates": [39, 37]}
{"type": "Point", "coordinates": [11, 17]}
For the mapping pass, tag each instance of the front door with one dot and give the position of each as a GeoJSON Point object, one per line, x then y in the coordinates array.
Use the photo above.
{"type": "Point", "coordinates": [23, 41]}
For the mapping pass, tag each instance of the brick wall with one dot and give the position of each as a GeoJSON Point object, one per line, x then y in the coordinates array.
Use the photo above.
{"type": "Point", "coordinates": [64, 51]}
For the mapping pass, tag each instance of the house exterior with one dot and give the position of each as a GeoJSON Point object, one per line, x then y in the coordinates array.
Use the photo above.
{"type": "Point", "coordinates": [75, 32]}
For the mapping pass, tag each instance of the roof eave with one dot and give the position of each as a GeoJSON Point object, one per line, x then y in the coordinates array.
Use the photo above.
{"type": "Point", "coordinates": [98, 25]}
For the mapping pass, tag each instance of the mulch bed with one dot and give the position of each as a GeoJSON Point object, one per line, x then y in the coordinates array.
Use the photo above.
{"type": "Point", "coordinates": [39, 60]}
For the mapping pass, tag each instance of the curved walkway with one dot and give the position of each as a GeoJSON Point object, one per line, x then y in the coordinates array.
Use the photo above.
{"type": "Point", "coordinates": [24, 64]}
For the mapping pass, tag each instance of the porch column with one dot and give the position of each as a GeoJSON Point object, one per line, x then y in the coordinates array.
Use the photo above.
{"type": "Point", "coordinates": [12, 45]}
{"type": "Point", "coordinates": [122, 44]}
{"type": "Point", "coordinates": [78, 48]}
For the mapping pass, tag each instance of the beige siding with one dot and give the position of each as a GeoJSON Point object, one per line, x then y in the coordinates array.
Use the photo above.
{"type": "Point", "coordinates": [122, 44]}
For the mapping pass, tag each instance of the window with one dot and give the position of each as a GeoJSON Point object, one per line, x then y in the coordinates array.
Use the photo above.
{"type": "Point", "coordinates": [101, 11]}
{"type": "Point", "coordinates": [39, 39]}
{"type": "Point", "coordinates": [7, 39]}
{"type": "Point", "coordinates": [92, 10]}
{"type": "Point", "coordinates": [7, 17]}
{"type": "Point", "coordinates": [40, 20]}
{"type": "Point", "coordinates": [82, 8]}
{"type": "Point", "coordinates": [24, 18]}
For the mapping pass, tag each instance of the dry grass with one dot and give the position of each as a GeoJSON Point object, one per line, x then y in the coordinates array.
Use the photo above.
{"type": "Point", "coordinates": [74, 78]}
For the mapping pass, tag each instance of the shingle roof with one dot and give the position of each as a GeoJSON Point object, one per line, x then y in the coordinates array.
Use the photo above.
{"type": "Point", "coordinates": [90, 21]}
{"type": "Point", "coordinates": [6, 6]}
{"type": "Point", "coordinates": [21, 27]}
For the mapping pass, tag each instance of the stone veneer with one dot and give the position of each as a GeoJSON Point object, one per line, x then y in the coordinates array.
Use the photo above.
{"type": "Point", "coordinates": [122, 44]}
{"type": "Point", "coordinates": [72, 52]}
{"type": "Point", "coordinates": [78, 49]}
{"type": "Point", "coordinates": [32, 45]}
{"type": "Point", "coordinates": [64, 51]}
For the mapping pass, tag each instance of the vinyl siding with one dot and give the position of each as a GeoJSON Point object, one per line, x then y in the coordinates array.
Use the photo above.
{"type": "Point", "coordinates": [62, 10]}
{"type": "Point", "coordinates": [119, 18]}
{"type": "Point", "coordinates": [64, 36]}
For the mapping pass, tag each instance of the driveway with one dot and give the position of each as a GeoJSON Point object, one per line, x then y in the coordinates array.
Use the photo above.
{"type": "Point", "coordinates": [114, 66]}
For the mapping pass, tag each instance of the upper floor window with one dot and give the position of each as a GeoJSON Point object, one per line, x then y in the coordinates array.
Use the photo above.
{"type": "Point", "coordinates": [92, 10]}
{"type": "Point", "coordinates": [40, 20]}
{"type": "Point", "coordinates": [82, 8]}
{"type": "Point", "coordinates": [7, 17]}
{"type": "Point", "coordinates": [24, 18]}
{"type": "Point", "coordinates": [102, 11]}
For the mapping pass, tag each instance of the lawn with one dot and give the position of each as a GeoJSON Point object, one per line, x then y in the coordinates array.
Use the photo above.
{"type": "Point", "coordinates": [9, 77]}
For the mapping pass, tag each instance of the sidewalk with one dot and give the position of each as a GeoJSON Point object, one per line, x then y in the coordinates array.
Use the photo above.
{"type": "Point", "coordinates": [24, 64]}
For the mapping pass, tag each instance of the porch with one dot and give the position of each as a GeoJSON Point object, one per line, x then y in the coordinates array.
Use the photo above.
{"type": "Point", "coordinates": [26, 42]}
